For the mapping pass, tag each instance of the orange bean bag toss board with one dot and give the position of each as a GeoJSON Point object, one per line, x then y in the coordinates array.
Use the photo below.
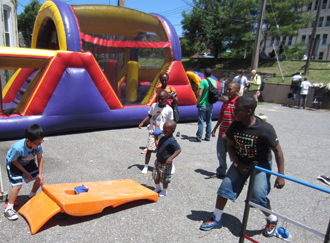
{"type": "Point", "coordinates": [56, 198]}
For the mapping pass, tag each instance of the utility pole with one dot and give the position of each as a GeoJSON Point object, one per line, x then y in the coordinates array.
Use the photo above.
{"type": "Point", "coordinates": [312, 40]}
{"type": "Point", "coordinates": [121, 3]}
{"type": "Point", "coordinates": [255, 57]}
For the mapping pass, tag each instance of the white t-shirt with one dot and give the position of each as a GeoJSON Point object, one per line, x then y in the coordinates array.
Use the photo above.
{"type": "Point", "coordinates": [242, 82]}
{"type": "Point", "coordinates": [159, 116]}
{"type": "Point", "coordinates": [305, 87]}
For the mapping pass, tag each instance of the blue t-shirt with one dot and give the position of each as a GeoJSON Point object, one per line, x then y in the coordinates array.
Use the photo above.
{"type": "Point", "coordinates": [166, 148]}
{"type": "Point", "coordinates": [21, 153]}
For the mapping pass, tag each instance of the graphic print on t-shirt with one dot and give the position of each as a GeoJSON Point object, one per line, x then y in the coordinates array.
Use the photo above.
{"type": "Point", "coordinates": [246, 145]}
{"type": "Point", "coordinates": [157, 119]}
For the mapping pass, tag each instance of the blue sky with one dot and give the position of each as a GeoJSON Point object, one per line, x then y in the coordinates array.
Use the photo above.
{"type": "Point", "coordinates": [171, 9]}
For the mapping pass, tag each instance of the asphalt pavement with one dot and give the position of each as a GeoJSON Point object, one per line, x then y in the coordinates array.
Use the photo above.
{"type": "Point", "coordinates": [115, 154]}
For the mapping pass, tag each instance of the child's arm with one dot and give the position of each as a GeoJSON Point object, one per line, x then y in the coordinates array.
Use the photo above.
{"type": "Point", "coordinates": [21, 168]}
{"type": "Point", "coordinates": [216, 126]}
{"type": "Point", "coordinates": [169, 160]}
{"type": "Point", "coordinates": [144, 120]}
{"type": "Point", "coordinates": [156, 141]}
{"type": "Point", "coordinates": [279, 182]}
{"type": "Point", "coordinates": [40, 160]}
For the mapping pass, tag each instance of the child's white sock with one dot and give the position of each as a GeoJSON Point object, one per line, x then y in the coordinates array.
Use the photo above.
{"type": "Point", "coordinates": [271, 218]}
{"type": "Point", "coordinates": [32, 194]}
{"type": "Point", "coordinates": [9, 206]}
{"type": "Point", "coordinates": [145, 169]}
{"type": "Point", "coordinates": [218, 214]}
{"type": "Point", "coordinates": [163, 192]}
{"type": "Point", "coordinates": [158, 188]}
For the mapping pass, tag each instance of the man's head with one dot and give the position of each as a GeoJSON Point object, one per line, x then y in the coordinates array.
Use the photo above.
{"type": "Point", "coordinates": [34, 135]}
{"type": "Point", "coordinates": [207, 72]}
{"type": "Point", "coordinates": [169, 128]}
{"type": "Point", "coordinates": [162, 98]}
{"type": "Point", "coordinates": [253, 73]}
{"type": "Point", "coordinates": [244, 107]}
{"type": "Point", "coordinates": [163, 78]}
{"type": "Point", "coordinates": [241, 73]}
{"type": "Point", "coordinates": [305, 79]}
{"type": "Point", "coordinates": [233, 89]}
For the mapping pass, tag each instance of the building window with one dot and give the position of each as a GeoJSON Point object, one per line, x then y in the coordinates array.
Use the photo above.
{"type": "Point", "coordinates": [284, 39]}
{"type": "Point", "coordinates": [277, 42]}
{"type": "Point", "coordinates": [312, 24]}
{"type": "Point", "coordinates": [320, 21]}
{"type": "Point", "coordinates": [327, 23]}
{"type": "Point", "coordinates": [317, 36]}
{"type": "Point", "coordinates": [316, 4]}
{"type": "Point", "coordinates": [309, 38]}
{"type": "Point", "coordinates": [303, 38]}
{"type": "Point", "coordinates": [324, 39]}
{"type": "Point", "coordinates": [6, 17]}
{"type": "Point", "coordinates": [321, 55]}
{"type": "Point", "coordinates": [324, 4]}
{"type": "Point", "coordinates": [290, 41]}
{"type": "Point", "coordinates": [272, 41]}
{"type": "Point", "coordinates": [309, 7]}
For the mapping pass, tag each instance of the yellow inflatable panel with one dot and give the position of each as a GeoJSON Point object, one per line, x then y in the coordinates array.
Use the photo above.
{"type": "Point", "coordinates": [132, 81]}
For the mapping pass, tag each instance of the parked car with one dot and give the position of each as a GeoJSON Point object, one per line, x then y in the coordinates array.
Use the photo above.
{"type": "Point", "coordinates": [205, 55]}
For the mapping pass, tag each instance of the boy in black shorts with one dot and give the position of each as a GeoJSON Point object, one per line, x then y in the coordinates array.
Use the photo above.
{"type": "Point", "coordinates": [20, 163]}
{"type": "Point", "coordinates": [168, 149]}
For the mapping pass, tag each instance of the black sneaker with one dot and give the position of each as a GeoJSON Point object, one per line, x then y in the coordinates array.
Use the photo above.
{"type": "Point", "coordinates": [270, 229]}
{"type": "Point", "coordinates": [324, 179]}
{"type": "Point", "coordinates": [10, 214]}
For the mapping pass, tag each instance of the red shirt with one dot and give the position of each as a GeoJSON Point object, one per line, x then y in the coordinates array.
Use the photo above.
{"type": "Point", "coordinates": [227, 114]}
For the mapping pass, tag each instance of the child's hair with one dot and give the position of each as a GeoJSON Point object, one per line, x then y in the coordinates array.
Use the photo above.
{"type": "Point", "coordinates": [163, 92]}
{"type": "Point", "coordinates": [305, 78]}
{"type": "Point", "coordinates": [248, 102]}
{"type": "Point", "coordinates": [164, 74]}
{"type": "Point", "coordinates": [237, 85]}
{"type": "Point", "coordinates": [34, 132]}
{"type": "Point", "coordinates": [171, 123]}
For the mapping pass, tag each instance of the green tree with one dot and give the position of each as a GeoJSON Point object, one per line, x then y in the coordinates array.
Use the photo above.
{"type": "Point", "coordinates": [26, 20]}
{"type": "Point", "coordinates": [285, 18]}
{"type": "Point", "coordinates": [221, 25]}
{"type": "Point", "coordinates": [187, 49]}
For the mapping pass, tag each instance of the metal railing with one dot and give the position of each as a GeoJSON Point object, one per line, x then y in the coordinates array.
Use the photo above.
{"type": "Point", "coordinates": [248, 203]}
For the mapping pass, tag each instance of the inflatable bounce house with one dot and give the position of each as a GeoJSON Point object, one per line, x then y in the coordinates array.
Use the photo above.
{"type": "Point", "coordinates": [93, 67]}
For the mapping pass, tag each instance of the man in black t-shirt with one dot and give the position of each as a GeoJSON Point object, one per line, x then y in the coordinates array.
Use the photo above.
{"type": "Point", "coordinates": [249, 139]}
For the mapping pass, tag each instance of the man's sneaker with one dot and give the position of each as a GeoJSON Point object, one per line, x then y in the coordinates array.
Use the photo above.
{"type": "Point", "coordinates": [211, 225]}
{"type": "Point", "coordinates": [144, 151]}
{"type": "Point", "coordinates": [10, 214]}
{"type": "Point", "coordinates": [270, 229]}
{"type": "Point", "coordinates": [324, 179]}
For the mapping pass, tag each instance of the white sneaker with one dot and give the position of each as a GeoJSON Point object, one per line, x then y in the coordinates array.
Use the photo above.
{"type": "Point", "coordinates": [173, 169]}
{"type": "Point", "coordinates": [10, 214]}
{"type": "Point", "coordinates": [145, 170]}
{"type": "Point", "coordinates": [163, 193]}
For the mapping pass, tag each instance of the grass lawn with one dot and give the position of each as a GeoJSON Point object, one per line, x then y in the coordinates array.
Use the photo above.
{"type": "Point", "coordinates": [319, 72]}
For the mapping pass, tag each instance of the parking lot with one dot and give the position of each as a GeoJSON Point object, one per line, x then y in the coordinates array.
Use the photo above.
{"type": "Point", "coordinates": [116, 154]}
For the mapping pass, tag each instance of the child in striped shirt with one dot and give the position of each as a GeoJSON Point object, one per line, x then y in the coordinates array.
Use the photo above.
{"type": "Point", "coordinates": [225, 119]}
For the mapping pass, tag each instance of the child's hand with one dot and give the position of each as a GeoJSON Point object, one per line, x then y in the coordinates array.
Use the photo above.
{"type": "Point", "coordinates": [41, 180]}
{"type": "Point", "coordinates": [140, 125]}
{"type": "Point", "coordinates": [224, 136]}
{"type": "Point", "coordinates": [213, 134]}
{"type": "Point", "coordinates": [243, 169]}
{"type": "Point", "coordinates": [168, 161]}
{"type": "Point", "coordinates": [29, 176]}
{"type": "Point", "coordinates": [279, 183]}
